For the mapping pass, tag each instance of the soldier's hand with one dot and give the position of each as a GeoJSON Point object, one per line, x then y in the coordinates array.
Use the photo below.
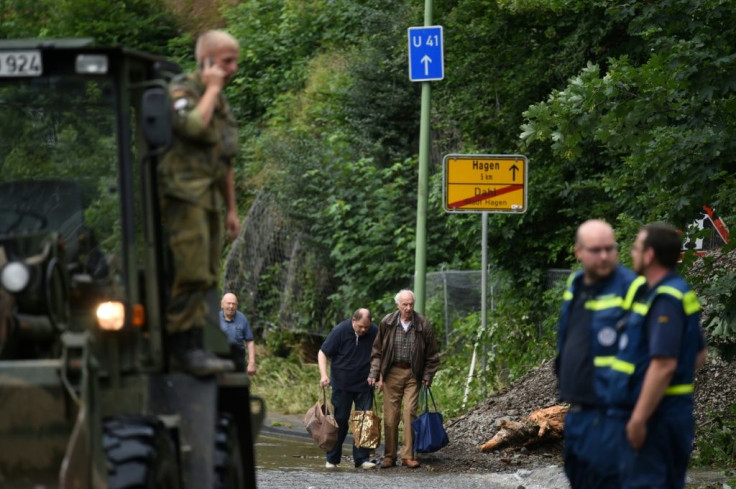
{"type": "Point", "coordinates": [251, 369]}
{"type": "Point", "coordinates": [211, 74]}
{"type": "Point", "coordinates": [324, 382]}
{"type": "Point", "coordinates": [232, 225]}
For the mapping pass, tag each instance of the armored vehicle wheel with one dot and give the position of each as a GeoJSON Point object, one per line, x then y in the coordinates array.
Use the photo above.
{"type": "Point", "coordinates": [140, 454]}
{"type": "Point", "coordinates": [229, 472]}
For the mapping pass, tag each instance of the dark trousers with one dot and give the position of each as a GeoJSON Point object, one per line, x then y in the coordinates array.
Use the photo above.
{"type": "Point", "coordinates": [343, 402]}
{"type": "Point", "coordinates": [662, 461]}
{"type": "Point", "coordinates": [590, 456]}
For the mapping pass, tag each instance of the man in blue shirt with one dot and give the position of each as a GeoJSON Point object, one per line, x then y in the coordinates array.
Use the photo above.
{"type": "Point", "coordinates": [348, 346]}
{"type": "Point", "coordinates": [651, 378]}
{"type": "Point", "coordinates": [237, 329]}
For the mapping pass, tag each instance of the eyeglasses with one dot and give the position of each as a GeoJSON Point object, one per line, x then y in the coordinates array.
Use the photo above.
{"type": "Point", "coordinates": [597, 250]}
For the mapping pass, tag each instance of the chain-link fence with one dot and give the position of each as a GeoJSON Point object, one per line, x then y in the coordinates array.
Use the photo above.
{"type": "Point", "coordinates": [457, 294]}
{"type": "Point", "coordinates": [268, 262]}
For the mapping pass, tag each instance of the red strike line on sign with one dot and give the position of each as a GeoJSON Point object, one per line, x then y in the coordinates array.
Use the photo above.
{"type": "Point", "coordinates": [476, 198]}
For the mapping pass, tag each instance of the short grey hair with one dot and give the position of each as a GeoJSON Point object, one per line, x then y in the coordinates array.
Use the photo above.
{"type": "Point", "coordinates": [403, 291]}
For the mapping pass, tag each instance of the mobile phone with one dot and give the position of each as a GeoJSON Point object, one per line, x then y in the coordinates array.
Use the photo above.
{"type": "Point", "coordinates": [210, 63]}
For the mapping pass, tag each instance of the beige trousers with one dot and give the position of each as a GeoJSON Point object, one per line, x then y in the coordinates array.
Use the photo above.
{"type": "Point", "coordinates": [400, 385]}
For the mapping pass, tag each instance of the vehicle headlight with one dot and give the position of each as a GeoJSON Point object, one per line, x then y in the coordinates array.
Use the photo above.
{"type": "Point", "coordinates": [91, 64]}
{"type": "Point", "coordinates": [111, 316]}
{"type": "Point", "coordinates": [15, 276]}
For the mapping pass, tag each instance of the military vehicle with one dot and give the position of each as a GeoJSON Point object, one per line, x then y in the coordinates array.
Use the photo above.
{"type": "Point", "coordinates": [87, 398]}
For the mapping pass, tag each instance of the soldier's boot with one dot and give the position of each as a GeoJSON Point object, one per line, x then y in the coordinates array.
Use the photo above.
{"type": "Point", "coordinates": [188, 355]}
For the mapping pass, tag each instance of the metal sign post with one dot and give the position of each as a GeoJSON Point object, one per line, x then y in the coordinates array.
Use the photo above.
{"type": "Point", "coordinates": [486, 184]}
{"type": "Point", "coordinates": [426, 63]}
{"type": "Point", "coordinates": [483, 295]}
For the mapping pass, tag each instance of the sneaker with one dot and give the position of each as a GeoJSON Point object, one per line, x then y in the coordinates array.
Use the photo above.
{"type": "Point", "coordinates": [328, 465]}
{"type": "Point", "coordinates": [367, 465]}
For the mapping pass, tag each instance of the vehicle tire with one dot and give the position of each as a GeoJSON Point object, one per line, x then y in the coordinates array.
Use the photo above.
{"type": "Point", "coordinates": [229, 472]}
{"type": "Point", "coordinates": [140, 454]}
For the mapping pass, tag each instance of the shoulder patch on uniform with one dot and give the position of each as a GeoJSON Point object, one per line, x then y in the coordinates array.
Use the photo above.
{"type": "Point", "coordinates": [180, 103]}
{"type": "Point", "coordinates": [663, 319]}
{"type": "Point", "coordinates": [607, 337]}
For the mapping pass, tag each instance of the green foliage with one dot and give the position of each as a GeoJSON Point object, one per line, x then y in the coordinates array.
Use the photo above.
{"type": "Point", "coordinates": [648, 135]}
{"type": "Point", "coordinates": [380, 107]}
{"type": "Point", "coordinates": [279, 37]}
{"type": "Point", "coordinates": [366, 251]}
{"type": "Point", "coordinates": [715, 283]}
{"type": "Point", "coordinates": [288, 385]}
{"type": "Point", "coordinates": [267, 307]}
{"type": "Point", "coordinates": [25, 18]}
{"type": "Point", "coordinates": [140, 24]}
{"type": "Point", "coordinates": [717, 440]}
{"type": "Point", "coordinates": [659, 124]}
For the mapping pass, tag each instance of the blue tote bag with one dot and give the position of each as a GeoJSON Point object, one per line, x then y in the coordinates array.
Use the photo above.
{"type": "Point", "coordinates": [429, 432]}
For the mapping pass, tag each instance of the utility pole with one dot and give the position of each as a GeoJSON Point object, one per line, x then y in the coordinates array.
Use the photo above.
{"type": "Point", "coordinates": [420, 260]}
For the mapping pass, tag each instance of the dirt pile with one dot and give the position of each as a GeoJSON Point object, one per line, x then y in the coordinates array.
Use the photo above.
{"type": "Point", "coordinates": [537, 389]}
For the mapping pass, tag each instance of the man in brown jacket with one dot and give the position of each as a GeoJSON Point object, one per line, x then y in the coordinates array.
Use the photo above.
{"type": "Point", "coordinates": [404, 355]}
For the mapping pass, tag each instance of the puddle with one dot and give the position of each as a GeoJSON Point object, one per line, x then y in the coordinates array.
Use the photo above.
{"type": "Point", "coordinates": [281, 449]}
{"type": "Point", "coordinates": [288, 453]}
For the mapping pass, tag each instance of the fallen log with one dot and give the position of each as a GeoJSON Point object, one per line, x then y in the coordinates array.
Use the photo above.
{"type": "Point", "coordinates": [541, 425]}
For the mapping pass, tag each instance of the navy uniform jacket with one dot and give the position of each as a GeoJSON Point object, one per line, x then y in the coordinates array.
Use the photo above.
{"type": "Point", "coordinates": [674, 332]}
{"type": "Point", "coordinates": [608, 304]}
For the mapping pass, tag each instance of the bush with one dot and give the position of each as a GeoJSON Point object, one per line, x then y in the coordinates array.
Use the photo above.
{"type": "Point", "coordinates": [717, 441]}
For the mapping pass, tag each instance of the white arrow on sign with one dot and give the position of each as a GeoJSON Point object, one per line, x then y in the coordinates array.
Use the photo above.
{"type": "Point", "coordinates": [425, 61]}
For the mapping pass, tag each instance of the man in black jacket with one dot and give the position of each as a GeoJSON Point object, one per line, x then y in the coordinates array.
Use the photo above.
{"type": "Point", "coordinates": [348, 346]}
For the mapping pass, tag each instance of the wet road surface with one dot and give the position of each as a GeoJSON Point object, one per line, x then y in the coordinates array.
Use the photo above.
{"type": "Point", "coordinates": [285, 460]}
{"type": "Point", "coordinates": [288, 459]}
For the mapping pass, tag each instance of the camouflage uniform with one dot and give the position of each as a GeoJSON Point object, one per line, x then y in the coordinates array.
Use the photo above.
{"type": "Point", "coordinates": [191, 177]}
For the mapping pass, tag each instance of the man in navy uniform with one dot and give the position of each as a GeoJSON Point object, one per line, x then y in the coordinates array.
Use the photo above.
{"type": "Point", "coordinates": [651, 378]}
{"type": "Point", "coordinates": [594, 302]}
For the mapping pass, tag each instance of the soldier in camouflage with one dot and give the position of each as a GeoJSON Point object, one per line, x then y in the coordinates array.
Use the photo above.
{"type": "Point", "coordinates": [195, 176]}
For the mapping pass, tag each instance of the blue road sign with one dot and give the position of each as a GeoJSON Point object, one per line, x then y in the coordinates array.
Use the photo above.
{"type": "Point", "coordinates": [426, 56]}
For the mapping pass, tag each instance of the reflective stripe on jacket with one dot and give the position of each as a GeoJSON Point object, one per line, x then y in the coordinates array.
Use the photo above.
{"type": "Point", "coordinates": [632, 359]}
{"type": "Point", "coordinates": [607, 308]}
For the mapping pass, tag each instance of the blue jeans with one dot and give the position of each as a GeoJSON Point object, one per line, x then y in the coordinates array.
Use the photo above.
{"type": "Point", "coordinates": [343, 403]}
